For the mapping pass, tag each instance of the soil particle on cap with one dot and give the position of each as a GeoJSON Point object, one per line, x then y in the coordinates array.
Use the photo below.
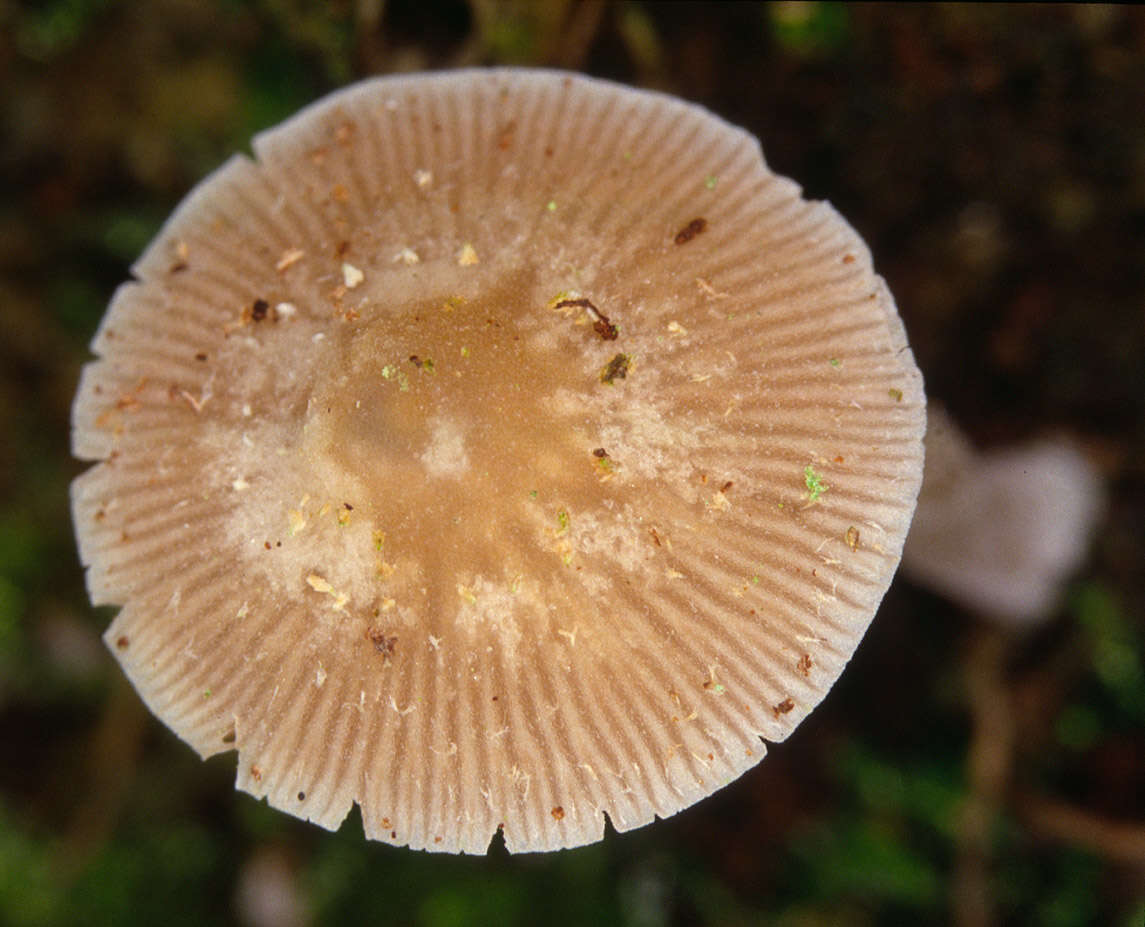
{"type": "Point", "coordinates": [385, 644]}
{"type": "Point", "coordinates": [691, 230]}
{"type": "Point", "coordinates": [289, 258]}
{"type": "Point", "coordinates": [605, 465]}
{"type": "Point", "coordinates": [182, 252]}
{"type": "Point", "coordinates": [351, 276]}
{"type": "Point", "coordinates": [600, 324]}
{"type": "Point", "coordinates": [711, 685]}
{"type": "Point", "coordinates": [615, 369]}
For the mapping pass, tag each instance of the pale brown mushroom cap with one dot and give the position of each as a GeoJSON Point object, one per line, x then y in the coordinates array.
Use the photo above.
{"type": "Point", "coordinates": [500, 449]}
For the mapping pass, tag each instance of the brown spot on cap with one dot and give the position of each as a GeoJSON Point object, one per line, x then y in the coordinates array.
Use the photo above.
{"type": "Point", "coordinates": [615, 369]}
{"type": "Point", "coordinates": [690, 231]}
{"type": "Point", "coordinates": [488, 554]}
{"type": "Point", "coordinates": [385, 644]}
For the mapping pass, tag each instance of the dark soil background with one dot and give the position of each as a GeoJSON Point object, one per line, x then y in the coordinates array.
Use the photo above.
{"type": "Point", "coordinates": [994, 159]}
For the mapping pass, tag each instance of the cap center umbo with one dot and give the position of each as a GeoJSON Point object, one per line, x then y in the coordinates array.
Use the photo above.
{"type": "Point", "coordinates": [449, 422]}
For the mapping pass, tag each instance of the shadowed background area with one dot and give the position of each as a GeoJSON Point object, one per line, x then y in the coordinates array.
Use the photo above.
{"type": "Point", "coordinates": [994, 160]}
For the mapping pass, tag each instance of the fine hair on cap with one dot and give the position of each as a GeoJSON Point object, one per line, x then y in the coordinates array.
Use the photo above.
{"type": "Point", "coordinates": [496, 450]}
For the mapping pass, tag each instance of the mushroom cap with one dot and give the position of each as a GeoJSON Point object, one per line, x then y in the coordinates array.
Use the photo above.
{"type": "Point", "coordinates": [496, 450]}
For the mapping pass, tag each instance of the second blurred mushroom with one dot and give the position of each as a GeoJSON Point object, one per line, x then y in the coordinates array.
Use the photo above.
{"type": "Point", "coordinates": [999, 531]}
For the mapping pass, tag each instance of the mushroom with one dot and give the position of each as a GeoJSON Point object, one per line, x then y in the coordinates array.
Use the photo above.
{"type": "Point", "coordinates": [1000, 531]}
{"type": "Point", "coordinates": [497, 450]}
{"type": "Point", "coordinates": [997, 532]}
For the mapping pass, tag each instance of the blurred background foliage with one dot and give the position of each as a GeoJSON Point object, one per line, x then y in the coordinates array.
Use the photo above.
{"type": "Point", "coordinates": [994, 159]}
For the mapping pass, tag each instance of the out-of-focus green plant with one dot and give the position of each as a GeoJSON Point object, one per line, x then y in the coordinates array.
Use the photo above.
{"type": "Point", "coordinates": [889, 845]}
{"type": "Point", "coordinates": [45, 30]}
{"type": "Point", "coordinates": [809, 29]}
{"type": "Point", "coordinates": [29, 895]}
{"type": "Point", "coordinates": [1117, 650]}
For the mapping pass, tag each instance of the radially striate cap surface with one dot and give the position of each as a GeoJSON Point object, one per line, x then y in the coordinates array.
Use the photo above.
{"type": "Point", "coordinates": [496, 450]}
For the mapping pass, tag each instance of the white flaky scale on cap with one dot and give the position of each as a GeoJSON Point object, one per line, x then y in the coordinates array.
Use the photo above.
{"type": "Point", "coordinates": [564, 518]}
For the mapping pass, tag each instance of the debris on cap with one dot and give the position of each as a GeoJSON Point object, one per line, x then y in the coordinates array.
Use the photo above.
{"type": "Point", "coordinates": [499, 561]}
